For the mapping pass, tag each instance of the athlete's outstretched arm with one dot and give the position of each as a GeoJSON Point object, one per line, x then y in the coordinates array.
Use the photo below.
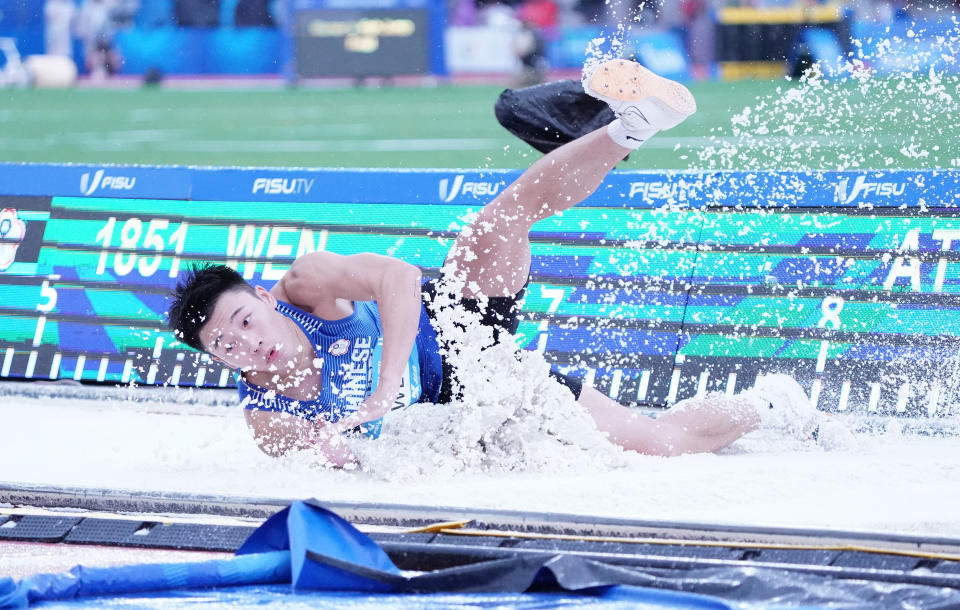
{"type": "Point", "coordinates": [277, 434]}
{"type": "Point", "coordinates": [392, 283]}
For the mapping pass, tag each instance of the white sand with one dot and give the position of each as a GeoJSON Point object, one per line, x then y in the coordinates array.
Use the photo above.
{"type": "Point", "coordinates": [542, 461]}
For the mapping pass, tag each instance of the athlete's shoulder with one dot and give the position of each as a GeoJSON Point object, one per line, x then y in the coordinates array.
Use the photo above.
{"type": "Point", "coordinates": [311, 266]}
{"type": "Point", "coordinates": [307, 274]}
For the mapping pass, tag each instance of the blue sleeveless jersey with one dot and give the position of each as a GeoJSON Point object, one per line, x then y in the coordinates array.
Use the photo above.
{"type": "Point", "coordinates": [350, 351]}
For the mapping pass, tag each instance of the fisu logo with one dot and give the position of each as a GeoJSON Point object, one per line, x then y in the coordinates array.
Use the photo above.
{"type": "Point", "coordinates": [448, 194]}
{"type": "Point", "coordinates": [116, 183]}
{"type": "Point", "coordinates": [863, 188]}
{"type": "Point", "coordinates": [449, 191]}
{"type": "Point", "coordinates": [85, 182]}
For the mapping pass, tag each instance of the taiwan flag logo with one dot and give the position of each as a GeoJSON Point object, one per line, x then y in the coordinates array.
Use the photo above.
{"type": "Point", "coordinates": [12, 231]}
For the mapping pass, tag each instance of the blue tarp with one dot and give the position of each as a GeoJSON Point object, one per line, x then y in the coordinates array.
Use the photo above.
{"type": "Point", "coordinates": [308, 556]}
{"type": "Point", "coordinates": [312, 548]}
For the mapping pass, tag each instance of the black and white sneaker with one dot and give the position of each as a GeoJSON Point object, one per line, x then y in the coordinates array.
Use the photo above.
{"type": "Point", "coordinates": [642, 100]}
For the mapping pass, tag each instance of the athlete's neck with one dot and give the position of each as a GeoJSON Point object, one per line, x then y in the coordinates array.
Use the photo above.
{"type": "Point", "coordinates": [306, 355]}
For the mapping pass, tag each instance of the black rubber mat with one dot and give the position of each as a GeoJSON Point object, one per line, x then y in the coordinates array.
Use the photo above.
{"type": "Point", "coordinates": [103, 531]}
{"type": "Point", "coordinates": [195, 536]}
{"type": "Point", "coordinates": [38, 528]}
{"type": "Point", "coordinates": [874, 561]}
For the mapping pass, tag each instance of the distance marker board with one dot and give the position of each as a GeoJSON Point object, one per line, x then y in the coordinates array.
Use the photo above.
{"type": "Point", "coordinates": [658, 287]}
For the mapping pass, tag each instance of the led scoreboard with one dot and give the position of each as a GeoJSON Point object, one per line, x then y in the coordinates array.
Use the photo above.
{"type": "Point", "coordinates": [359, 38]}
{"type": "Point", "coordinates": [660, 286]}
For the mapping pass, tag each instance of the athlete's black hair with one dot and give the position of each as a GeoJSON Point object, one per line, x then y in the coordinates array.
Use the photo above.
{"type": "Point", "coordinates": [195, 296]}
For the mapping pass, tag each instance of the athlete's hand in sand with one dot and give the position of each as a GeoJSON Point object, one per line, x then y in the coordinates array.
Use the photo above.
{"type": "Point", "coordinates": [373, 408]}
{"type": "Point", "coordinates": [325, 439]}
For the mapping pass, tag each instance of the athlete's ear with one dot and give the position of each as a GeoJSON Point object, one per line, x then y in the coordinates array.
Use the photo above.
{"type": "Point", "coordinates": [265, 295]}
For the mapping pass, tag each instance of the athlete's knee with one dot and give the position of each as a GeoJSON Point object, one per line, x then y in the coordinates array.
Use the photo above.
{"type": "Point", "coordinates": [513, 211]}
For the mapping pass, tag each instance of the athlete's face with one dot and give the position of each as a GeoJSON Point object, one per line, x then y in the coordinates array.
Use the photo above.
{"type": "Point", "coordinates": [246, 332]}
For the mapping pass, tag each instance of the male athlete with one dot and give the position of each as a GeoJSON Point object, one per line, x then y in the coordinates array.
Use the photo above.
{"type": "Point", "coordinates": [340, 340]}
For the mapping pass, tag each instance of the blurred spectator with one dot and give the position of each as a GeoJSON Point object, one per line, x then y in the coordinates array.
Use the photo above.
{"type": "Point", "coordinates": [524, 36]}
{"type": "Point", "coordinates": [58, 20]}
{"type": "Point", "coordinates": [699, 34]}
{"type": "Point", "coordinates": [619, 12]}
{"type": "Point", "coordinates": [123, 13]}
{"type": "Point", "coordinates": [538, 14]}
{"type": "Point", "coordinates": [97, 29]}
{"type": "Point", "coordinates": [464, 12]}
{"type": "Point", "coordinates": [592, 10]}
{"type": "Point", "coordinates": [535, 16]}
{"type": "Point", "coordinates": [252, 13]}
{"type": "Point", "coordinates": [197, 13]}
{"type": "Point", "coordinates": [155, 14]}
{"type": "Point", "coordinates": [498, 15]}
{"type": "Point", "coordinates": [530, 49]}
{"type": "Point", "coordinates": [691, 9]}
{"type": "Point", "coordinates": [646, 14]}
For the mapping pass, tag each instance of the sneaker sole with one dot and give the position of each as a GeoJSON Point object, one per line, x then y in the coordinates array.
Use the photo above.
{"type": "Point", "coordinates": [619, 80]}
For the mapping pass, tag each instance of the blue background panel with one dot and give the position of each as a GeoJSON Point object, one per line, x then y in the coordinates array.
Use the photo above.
{"type": "Point", "coordinates": [659, 286]}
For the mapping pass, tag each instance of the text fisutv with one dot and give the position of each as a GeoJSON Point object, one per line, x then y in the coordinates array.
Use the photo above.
{"type": "Point", "coordinates": [282, 186]}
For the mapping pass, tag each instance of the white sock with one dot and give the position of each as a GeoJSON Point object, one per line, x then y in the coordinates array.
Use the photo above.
{"type": "Point", "coordinates": [628, 138]}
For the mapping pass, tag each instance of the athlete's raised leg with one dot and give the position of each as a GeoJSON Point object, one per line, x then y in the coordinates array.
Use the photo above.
{"type": "Point", "coordinates": [491, 256]}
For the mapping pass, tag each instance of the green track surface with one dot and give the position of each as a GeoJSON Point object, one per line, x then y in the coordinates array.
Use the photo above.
{"type": "Point", "coordinates": [840, 126]}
